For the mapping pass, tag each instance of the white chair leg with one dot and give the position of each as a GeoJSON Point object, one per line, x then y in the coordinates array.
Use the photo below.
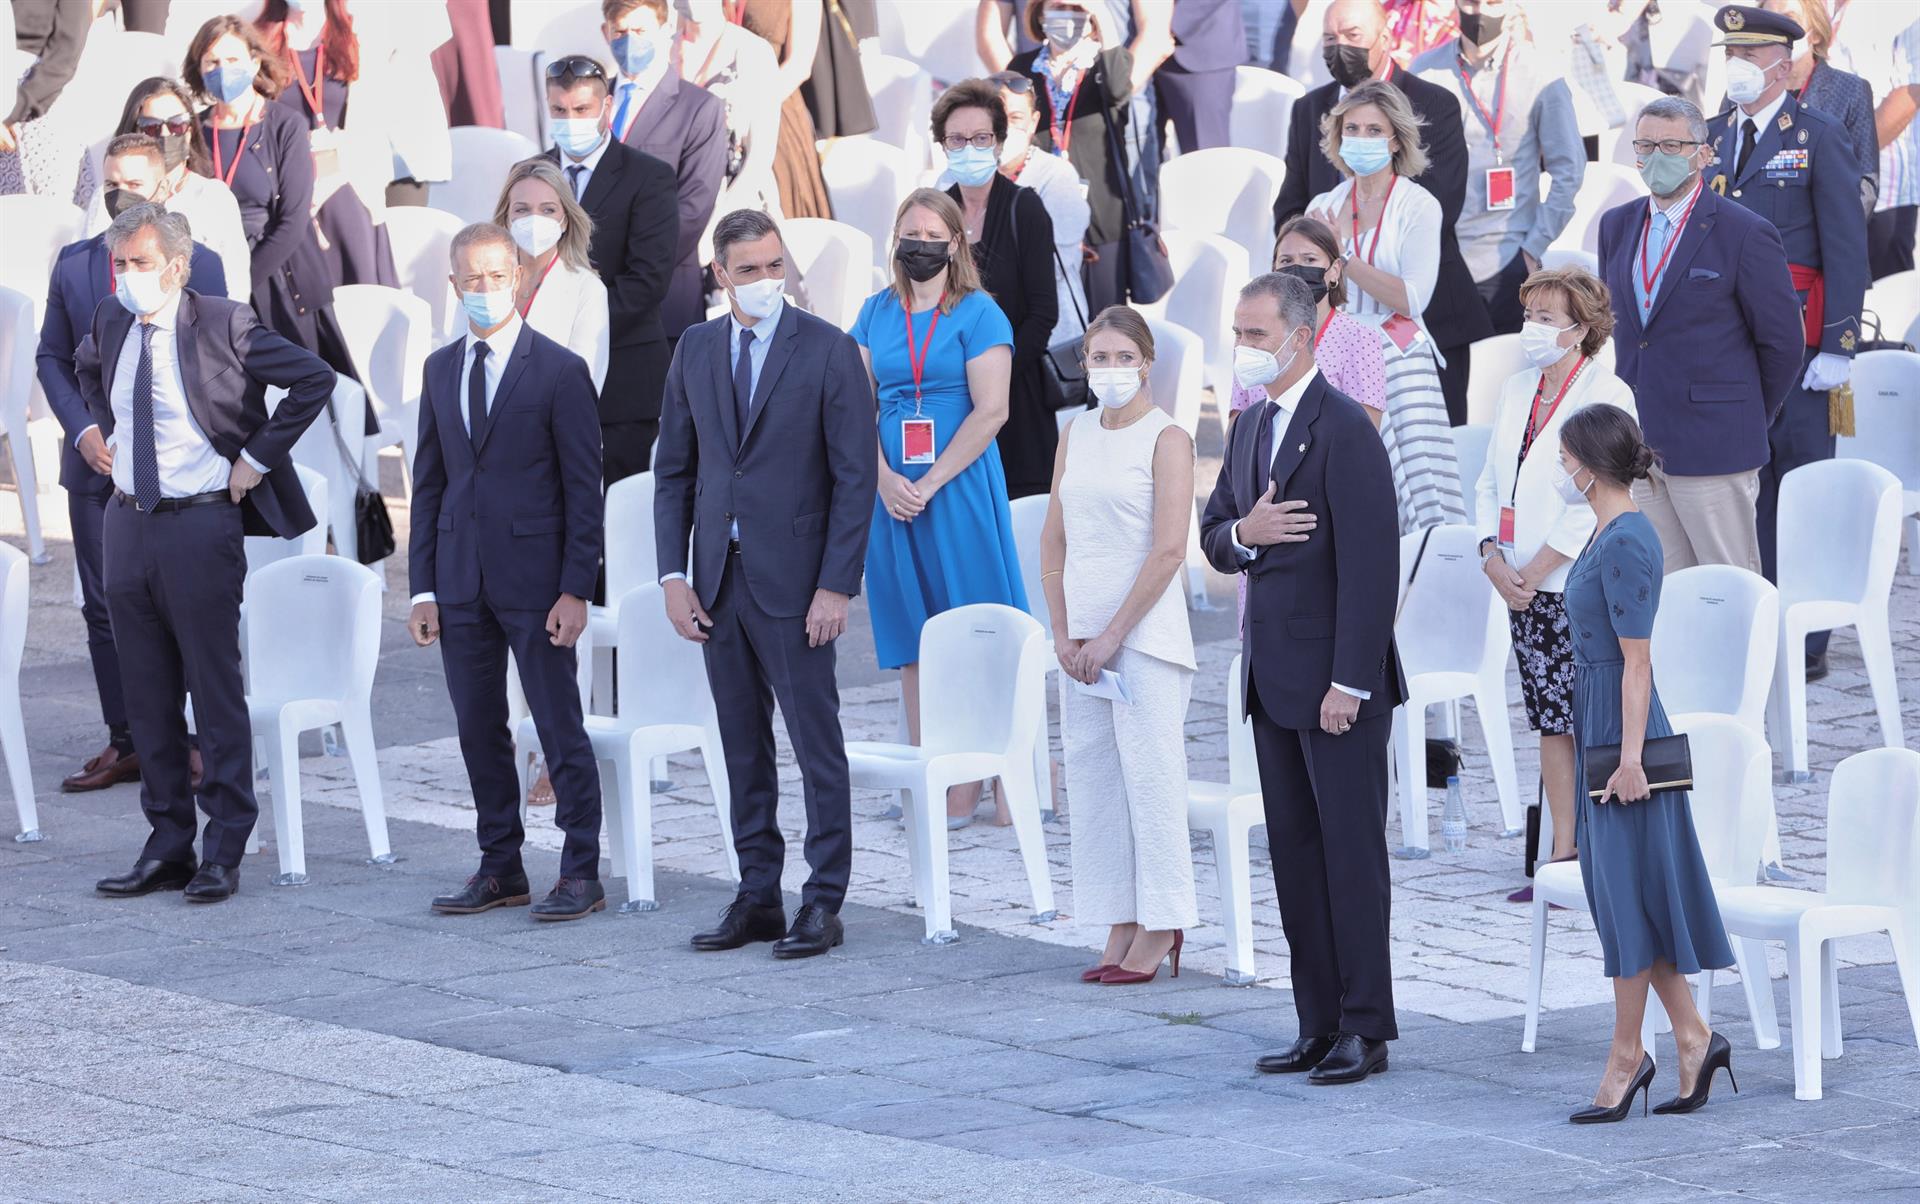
{"type": "Point", "coordinates": [21, 448]}
{"type": "Point", "coordinates": [1409, 724]}
{"type": "Point", "coordinates": [1043, 771]}
{"type": "Point", "coordinates": [1023, 803]}
{"type": "Point", "coordinates": [1703, 997]}
{"type": "Point", "coordinates": [1876, 646]}
{"type": "Point", "coordinates": [1803, 1012]}
{"type": "Point", "coordinates": [1829, 1002]}
{"type": "Point", "coordinates": [636, 799]}
{"type": "Point", "coordinates": [357, 724]}
{"type": "Point", "coordinates": [283, 765]}
{"type": "Point", "coordinates": [1196, 565]}
{"type": "Point", "coordinates": [615, 816]}
{"type": "Point", "coordinates": [1750, 956]}
{"type": "Point", "coordinates": [603, 679]}
{"type": "Point", "coordinates": [1791, 680]}
{"type": "Point", "coordinates": [917, 856]}
{"type": "Point", "coordinates": [13, 740]}
{"type": "Point", "coordinates": [1906, 958]}
{"type": "Point", "coordinates": [523, 754]}
{"type": "Point", "coordinates": [713, 755]}
{"type": "Point", "coordinates": [1536, 972]}
{"type": "Point", "coordinates": [936, 899]}
{"type": "Point", "coordinates": [1490, 707]}
{"type": "Point", "coordinates": [1233, 867]}
{"type": "Point", "coordinates": [1657, 1022]}
{"type": "Point", "coordinates": [1912, 526]}
{"type": "Point", "coordinates": [259, 758]}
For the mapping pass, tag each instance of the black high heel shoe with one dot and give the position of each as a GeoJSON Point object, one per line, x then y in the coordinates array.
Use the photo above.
{"type": "Point", "coordinates": [1642, 1082]}
{"type": "Point", "coordinates": [1719, 1057]}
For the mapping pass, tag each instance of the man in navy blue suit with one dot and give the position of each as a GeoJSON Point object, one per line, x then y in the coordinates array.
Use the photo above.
{"type": "Point", "coordinates": [1707, 334]}
{"type": "Point", "coordinates": [506, 545]}
{"type": "Point", "coordinates": [82, 278]}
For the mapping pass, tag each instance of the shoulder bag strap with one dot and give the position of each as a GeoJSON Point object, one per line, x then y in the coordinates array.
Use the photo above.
{"type": "Point", "coordinates": [1413, 575]}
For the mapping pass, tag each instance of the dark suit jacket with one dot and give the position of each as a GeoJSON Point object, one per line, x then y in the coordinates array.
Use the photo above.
{"type": "Point", "coordinates": [636, 232]}
{"type": "Point", "coordinates": [227, 361]}
{"type": "Point", "coordinates": [519, 509]}
{"type": "Point", "coordinates": [685, 126]}
{"type": "Point", "coordinates": [76, 288]}
{"type": "Point", "coordinates": [1320, 611]}
{"type": "Point", "coordinates": [1455, 314]}
{"type": "Point", "coordinates": [799, 480]}
{"type": "Point", "coordinates": [1715, 360]}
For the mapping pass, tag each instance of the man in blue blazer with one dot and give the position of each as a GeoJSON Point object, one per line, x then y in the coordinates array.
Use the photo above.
{"type": "Point", "coordinates": [767, 465]}
{"type": "Point", "coordinates": [506, 542]}
{"type": "Point", "coordinates": [176, 386]}
{"type": "Point", "coordinates": [1707, 334]}
{"type": "Point", "coordinates": [1305, 507]}
{"type": "Point", "coordinates": [82, 278]}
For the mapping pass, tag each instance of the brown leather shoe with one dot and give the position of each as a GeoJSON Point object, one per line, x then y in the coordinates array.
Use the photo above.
{"type": "Point", "coordinates": [110, 768]}
{"type": "Point", "coordinates": [196, 771]}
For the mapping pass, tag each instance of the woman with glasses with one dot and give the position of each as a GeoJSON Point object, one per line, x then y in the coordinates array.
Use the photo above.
{"type": "Point", "coordinates": [1011, 240]}
{"type": "Point", "coordinates": [1059, 188]}
{"type": "Point", "coordinates": [1110, 554]}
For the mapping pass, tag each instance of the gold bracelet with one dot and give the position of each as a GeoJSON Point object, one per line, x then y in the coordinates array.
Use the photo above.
{"type": "Point", "coordinates": [1054, 573]}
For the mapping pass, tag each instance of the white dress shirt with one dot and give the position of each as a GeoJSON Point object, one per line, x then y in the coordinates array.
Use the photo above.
{"type": "Point", "coordinates": [570, 308]}
{"type": "Point", "coordinates": [1760, 121]}
{"type": "Point", "coordinates": [586, 164]}
{"type": "Point", "coordinates": [499, 347]}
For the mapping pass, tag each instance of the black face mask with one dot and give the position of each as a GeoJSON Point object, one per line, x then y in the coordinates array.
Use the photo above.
{"type": "Point", "coordinates": [922, 258]}
{"type": "Point", "coordinates": [119, 200]}
{"type": "Point", "coordinates": [1347, 64]}
{"type": "Point", "coordinates": [173, 150]}
{"type": "Point", "coordinates": [1480, 28]}
{"type": "Point", "coordinates": [1313, 277]}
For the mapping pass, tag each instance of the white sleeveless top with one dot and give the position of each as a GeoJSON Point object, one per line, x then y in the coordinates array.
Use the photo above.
{"type": "Point", "coordinates": [1106, 500]}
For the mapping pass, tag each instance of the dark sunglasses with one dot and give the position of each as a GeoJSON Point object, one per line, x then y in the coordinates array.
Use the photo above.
{"type": "Point", "coordinates": [1012, 81]}
{"type": "Point", "coordinates": [154, 127]}
{"type": "Point", "coordinates": [576, 66]}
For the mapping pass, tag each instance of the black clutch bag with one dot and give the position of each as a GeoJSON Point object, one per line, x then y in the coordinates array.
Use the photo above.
{"type": "Point", "coordinates": [1668, 761]}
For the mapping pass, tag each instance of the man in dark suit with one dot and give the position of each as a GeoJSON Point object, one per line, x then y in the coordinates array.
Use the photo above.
{"type": "Point", "coordinates": [178, 400]}
{"type": "Point", "coordinates": [679, 123]}
{"type": "Point", "coordinates": [767, 463]}
{"type": "Point", "coordinates": [636, 232]}
{"type": "Point", "coordinates": [506, 544]}
{"type": "Point", "coordinates": [1305, 507]}
{"type": "Point", "coordinates": [1357, 48]}
{"type": "Point", "coordinates": [82, 278]}
{"type": "Point", "coordinates": [1707, 333]}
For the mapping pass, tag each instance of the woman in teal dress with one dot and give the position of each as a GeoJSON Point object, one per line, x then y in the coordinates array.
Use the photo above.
{"type": "Point", "coordinates": [940, 353]}
{"type": "Point", "coordinates": [1646, 879]}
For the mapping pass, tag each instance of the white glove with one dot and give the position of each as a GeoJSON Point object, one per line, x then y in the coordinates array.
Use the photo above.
{"type": "Point", "coordinates": [1827, 372]}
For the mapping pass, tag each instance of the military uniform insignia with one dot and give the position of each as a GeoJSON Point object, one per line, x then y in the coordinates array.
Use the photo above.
{"type": "Point", "coordinates": [1719, 185]}
{"type": "Point", "coordinates": [1846, 340]}
{"type": "Point", "coordinates": [1786, 122]}
{"type": "Point", "coordinates": [1803, 137]}
{"type": "Point", "coordinates": [1732, 20]}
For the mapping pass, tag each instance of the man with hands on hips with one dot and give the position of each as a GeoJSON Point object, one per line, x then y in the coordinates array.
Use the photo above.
{"type": "Point", "coordinates": [507, 515]}
{"type": "Point", "coordinates": [1305, 507]}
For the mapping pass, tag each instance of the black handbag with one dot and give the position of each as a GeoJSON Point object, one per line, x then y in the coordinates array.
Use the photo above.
{"type": "Point", "coordinates": [1668, 761]}
{"type": "Point", "coordinates": [372, 525]}
{"type": "Point", "coordinates": [1062, 367]}
{"type": "Point", "coordinates": [1149, 270]}
{"type": "Point", "coordinates": [1879, 341]}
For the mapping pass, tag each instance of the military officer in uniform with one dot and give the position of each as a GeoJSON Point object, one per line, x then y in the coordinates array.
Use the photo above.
{"type": "Point", "coordinates": [1795, 167]}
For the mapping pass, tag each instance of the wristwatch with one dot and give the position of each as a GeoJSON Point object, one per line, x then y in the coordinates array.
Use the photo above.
{"type": "Point", "coordinates": [1485, 554]}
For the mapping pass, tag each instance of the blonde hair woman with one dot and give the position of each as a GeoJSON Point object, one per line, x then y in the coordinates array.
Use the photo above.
{"type": "Point", "coordinates": [561, 296]}
{"type": "Point", "coordinates": [1112, 547]}
{"type": "Point", "coordinates": [940, 354]}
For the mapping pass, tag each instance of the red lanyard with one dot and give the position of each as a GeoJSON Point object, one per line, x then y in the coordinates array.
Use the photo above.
{"type": "Point", "coordinates": [1535, 423]}
{"type": "Point", "coordinates": [1063, 128]}
{"type": "Point", "coordinates": [1354, 196]}
{"type": "Point", "coordinates": [1492, 120]}
{"type": "Point", "coordinates": [918, 360]}
{"type": "Point", "coordinates": [313, 92]}
{"type": "Point", "coordinates": [1322, 332]}
{"type": "Point", "coordinates": [544, 272]}
{"type": "Point", "coordinates": [239, 152]}
{"type": "Point", "coordinates": [1647, 279]}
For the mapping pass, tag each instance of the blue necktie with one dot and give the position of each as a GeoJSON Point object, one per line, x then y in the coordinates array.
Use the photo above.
{"type": "Point", "coordinates": [1658, 232]}
{"type": "Point", "coordinates": [146, 460]}
{"type": "Point", "coordinates": [573, 178]}
{"type": "Point", "coordinates": [620, 114]}
{"type": "Point", "coordinates": [743, 381]}
{"type": "Point", "coordinates": [477, 394]}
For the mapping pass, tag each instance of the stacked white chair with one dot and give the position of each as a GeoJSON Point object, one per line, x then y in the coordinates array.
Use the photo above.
{"type": "Point", "coordinates": [312, 628]}
{"type": "Point", "coordinates": [1453, 640]}
{"type": "Point", "coordinates": [835, 263]}
{"type": "Point", "coordinates": [1262, 110]}
{"type": "Point", "coordinates": [902, 94]}
{"type": "Point", "coordinates": [867, 180]}
{"type": "Point", "coordinates": [523, 91]}
{"type": "Point", "coordinates": [665, 707]}
{"type": "Point", "coordinates": [1617, 146]}
{"type": "Point", "coordinates": [1895, 300]}
{"type": "Point", "coordinates": [1495, 359]}
{"type": "Point", "coordinates": [1886, 420]}
{"type": "Point", "coordinates": [1873, 849]}
{"type": "Point", "coordinates": [1563, 257]}
{"type": "Point", "coordinates": [1208, 271]}
{"type": "Point", "coordinates": [1604, 186]}
{"type": "Point", "coordinates": [36, 228]}
{"type": "Point", "coordinates": [937, 34]}
{"type": "Point", "coordinates": [1838, 540]}
{"type": "Point", "coordinates": [631, 563]}
{"type": "Point", "coordinates": [482, 156]}
{"type": "Point", "coordinates": [1229, 812]}
{"type": "Point", "coordinates": [19, 339]}
{"type": "Point", "coordinates": [983, 692]}
{"type": "Point", "coordinates": [558, 27]}
{"type": "Point", "coordinates": [13, 731]}
{"type": "Point", "coordinates": [388, 333]}
{"type": "Point", "coordinates": [1224, 190]}
{"type": "Point", "coordinates": [263, 550]}
{"type": "Point", "coordinates": [1177, 378]}
{"type": "Point", "coordinates": [422, 239]}
{"type": "Point", "coordinates": [1470, 443]}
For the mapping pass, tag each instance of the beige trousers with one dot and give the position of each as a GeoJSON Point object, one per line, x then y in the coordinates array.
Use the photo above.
{"type": "Point", "coordinates": [1703, 520]}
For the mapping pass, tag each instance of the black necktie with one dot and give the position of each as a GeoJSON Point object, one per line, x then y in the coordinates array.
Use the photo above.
{"type": "Point", "coordinates": [477, 394]}
{"type": "Point", "coordinates": [573, 178]}
{"type": "Point", "coordinates": [146, 459]}
{"type": "Point", "coordinates": [743, 381]}
{"type": "Point", "coordinates": [1749, 132]}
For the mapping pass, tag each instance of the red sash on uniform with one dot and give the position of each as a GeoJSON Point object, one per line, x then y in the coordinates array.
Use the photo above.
{"type": "Point", "coordinates": [1810, 281]}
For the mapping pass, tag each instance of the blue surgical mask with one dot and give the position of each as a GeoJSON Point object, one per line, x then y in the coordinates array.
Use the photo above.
{"type": "Point", "coordinates": [577, 136]}
{"type": "Point", "coordinates": [487, 310]}
{"type": "Point", "coordinates": [973, 165]}
{"type": "Point", "coordinates": [231, 80]}
{"type": "Point", "coordinates": [1365, 155]}
{"type": "Point", "coordinates": [633, 52]}
{"type": "Point", "coordinates": [296, 7]}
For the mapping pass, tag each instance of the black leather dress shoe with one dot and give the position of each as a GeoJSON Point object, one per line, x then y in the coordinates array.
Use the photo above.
{"type": "Point", "coordinates": [743, 922]}
{"type": "Point", "coordinates": [572, 899]}
{"type": "Point", "coordinates": [1303, 1055]}
{"type": "Point", "coordinates": [214, 883]}
{"type": "Point", "coordinates": [484, 892]}
{"type": "Point", "coordinates": [1351, 1059]}
{"type": "Point", "coordinates": [815, 930]}
{"type": "Point", "coordinates": [146, 877]}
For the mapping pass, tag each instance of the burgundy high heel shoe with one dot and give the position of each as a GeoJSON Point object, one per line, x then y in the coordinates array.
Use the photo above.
{"type": "Point", "coordinates": [1095, 973]}
{"type": "Point", "coordinates": [1121, 976]}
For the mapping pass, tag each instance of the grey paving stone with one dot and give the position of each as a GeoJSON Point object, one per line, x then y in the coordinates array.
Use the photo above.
{"type": "Point", "coordinates": [657, 1005]}
{"type": "Point", "coordinates": [198, 1086]}
{"type": "Point", "coordinates": [372, 1063]}
{"type": "Point", "coordinates": [603, 1049]}
{"type": "Point", "coordinates": [441, 1135]}
{"type": "Point", "coordinates": [52, 1114]}
{"type": "Point", "coordinates": [83, 1177]}
{"type": "Point", "coordinates": [709, 1071]}
{"type": "Point", "coordinates": [1048, 1136]}
{"type": "Point", "coordinates": [1172, 1158]}
{"type": "Point", "coordinates": [1307, 1181]}
{"type": "Point", "coordinates": [838, 1098]}
{"type": "Point", "coordinates": [589, 1106]}
{"type": "Point", "coordinates": [622, 1171]}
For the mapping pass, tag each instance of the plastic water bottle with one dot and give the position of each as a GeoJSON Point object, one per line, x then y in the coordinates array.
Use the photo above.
{"type": "Point", "coordinates": [1453, 820]}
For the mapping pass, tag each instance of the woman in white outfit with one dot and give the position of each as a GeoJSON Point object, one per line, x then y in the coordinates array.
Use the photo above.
{"type": "Point", "coordinates": [561, 296]}
{"type": "Point", "coordinates": [1114, 541]}
{"type": "Point", "coordinates": [1389, 229]}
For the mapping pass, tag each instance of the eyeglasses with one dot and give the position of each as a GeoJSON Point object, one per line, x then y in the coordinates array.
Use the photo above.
{"type": "Point", "coordinates": [984, 140]}
{"type": "Point", "coordinates": [576, 66]}
{"type": "Point", "coordinates": [1666, 146]}
{"type": "Point", "coordinates": [1011, 81]}
{"type": "Point", "coordinates": [154, 127]}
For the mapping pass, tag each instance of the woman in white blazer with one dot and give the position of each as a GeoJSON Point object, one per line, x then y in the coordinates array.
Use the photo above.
{"type": "Point", "coordinates": [561, 296]}
{"type": "Point", "coordinates": [1530, 531]}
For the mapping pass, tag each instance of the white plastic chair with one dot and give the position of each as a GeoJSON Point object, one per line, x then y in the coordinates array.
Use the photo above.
{"type": "Point", "coordinates": [1605, 186]}
{"type": "Point", "coordinates": [558, 28]}
{"type": "Point", "coordinates": [631, 563]}
{"type": "Point", "coordinates": [19, 339]}
{"type": "Point", "coordinates": [263, 550]}
{"type": "Point", "coordinates": [835, 262]}
{"type": "Point", "coordinates": [1714, 642]}
{"type": "Point", "coordinates": [665, 707]}
{"type": "Point", "coordinates": [1224, 190]}
{"type": "Point", "coordinates": [1029, 519]}
{"type": "Point", "coordinates": [1454, 640]}
{"type": "Point", "coordinates": [36, 228]}
{"type": "Point", "coordinates": [1208, 271]}
{"type": "Point", "coordinates": [983, 675]}
{"type": "Point", "coordinates": [1564, 257]}
{"type": "Point", "coordinates": [1262, 110]}
{"type": "Point", "coordinates": [1470, 443]}
{"type": "Point", "coordinates": [1873, 847]}
{"type": "Point", "coordinates": [422, 240]}
{"type": "Point", "coordinates": [867, 180]}
{"type": "Point", "coordinates": [1886, 421]}
{"type": "Point", "coordinates": [1838, 539]}
{"type": "Point", "coordinates": [903, 104]}
{"type": "Point", "coordinates": [1895, 300]}
{"type": "Point", "coordinates": [1177, 378]}
{"type": "Point", "coordinates": [523, 91]}
{"type": "Point", "coordinates": [313, 642]}
{"type": "Point", "coordinates": [482, 156]}
{"type": "Point", "coordinates": [13, 731]}
{"type": "Point", "coordinates": [937, 34]}
{"type": "Point", "coordinates": [388, 333]}
{"type": "Point", "coordinates": [318, 449]}
{"type": "Point", "coordinates": [1618, 150]}
{"type": "Point", "coordinates": [1229, 812]}
{"type": "Point", "coordinates": [1493, 361]}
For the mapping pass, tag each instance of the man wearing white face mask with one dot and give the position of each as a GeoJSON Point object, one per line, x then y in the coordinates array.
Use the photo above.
{"type": "Point", "coordinates": [1320, 675]}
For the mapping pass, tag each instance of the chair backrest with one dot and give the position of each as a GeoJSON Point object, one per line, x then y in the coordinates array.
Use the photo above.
{"type": "Point", "coordinates": [1715, 640]}
{"type": "Point", "coordinates": [662, 678]}
{"type": "Point", "coordinates": [631, 558]}
{"type": "Point", "coordinates": [1452, 621]}
{"type": "Point", "coordinates": [263, 550]}
{"type": "Point", "coordinates": [867, 179]}
{"type": "Point", "coordinates": [19, 339]}
{"type": "Point", "coordinates": [1886, 414]}
{"type": "Point", "coordinates": [559, 28]}
{"type": "Point", "coordinates": [1873, 828]}
{"type": "Point", "coordinates": [835, 262]}
{"type": "Point", "coordinates": [1208, 271]}
{"type": "Point", "coordinates": [1470, 443]}
{"type": "Point", "coordinates": [13, 614]}
{"type": "Point", "coordinates": [1495, 359]}
{"type": "Point", "coordinates": [421, 239]}
{"type": "Point", "coordinates": [523, 90]}
{"type": "Point", "coordinates": [982, 679]}
{"type": "Point", "coordinates": [1262, 109]}
{"type": "Point", "coordinates": [1565, 257]}
{"type": "Point", "coordinates": [313, 628]}
{"type": "Point", "coordinates": [937, 34]}
{"type": "Point", "coordinates": [902, 94]}
{"type": "Point", "coordinates": [1839, 532]}
{"type": "Point", "coordinates": [36, 227]}
{"type": "Point", "coordinates": [1029, 518]}
{"type": "Point", "coordinates": [1243, 766]}
{"type": "Point", "coordinates": [1603, 187]}
{"type": "Point", "coordinates": [1732, 794]}
{"type": "Point", "coordinates": [1634, 97]}
{"type": "Point", "coordinates": [1895, 300]}
{"type": "Point", "coordinates": [1224, 190]}
{"type": "Point", "coordinates": [388, 334]}
{"type": "Point", "coordinates": [1179, 373]}
{"type": "Point", "coordinates": [482, 157]}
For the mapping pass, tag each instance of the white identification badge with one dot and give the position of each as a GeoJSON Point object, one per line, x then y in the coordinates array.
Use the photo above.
{"type": "Point", "coordinates": [916, 440]}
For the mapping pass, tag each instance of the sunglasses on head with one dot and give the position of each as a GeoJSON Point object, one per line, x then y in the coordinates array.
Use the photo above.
{"type": "Point", "coordinates": [1012, 81]}
{"type": "Point", "coordinates": [154, 127]}
{"type": "Point", "coordinates": [576, 66]}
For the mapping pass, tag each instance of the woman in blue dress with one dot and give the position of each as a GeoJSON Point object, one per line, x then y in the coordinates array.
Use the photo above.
{"type": "Point", "coordinates": [940, 353]}
{"type": "Point", "coordinates": [1646, 879]}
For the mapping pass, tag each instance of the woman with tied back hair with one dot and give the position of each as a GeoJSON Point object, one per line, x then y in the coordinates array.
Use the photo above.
{"type": "Point", "coordinates": [1646, 880]}
{"type": "Point", "coordinates": [561, 296]}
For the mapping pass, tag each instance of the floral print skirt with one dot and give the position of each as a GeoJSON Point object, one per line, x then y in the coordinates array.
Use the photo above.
{"type": "Point", "coordinates": [1543, 642]}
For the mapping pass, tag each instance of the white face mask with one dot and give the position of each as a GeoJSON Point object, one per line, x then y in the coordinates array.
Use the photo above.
{"type": "Point", "coordinates": [1569, 492]}
{"type": "Point", "coordinates": [760, 299]}
{"type": "Point", "coordinates": [1255, 368]}
{"type": "Point", "coordinates": [1114, 387]}
{"type": "Point", "coordinates": [1540, 343]}
{"type": "Point", "coordinates": [536, 233]}
{"type": "Point", "coordinates": [1745, 81]}
{"type": "Point", "coordinates": [140, 292]}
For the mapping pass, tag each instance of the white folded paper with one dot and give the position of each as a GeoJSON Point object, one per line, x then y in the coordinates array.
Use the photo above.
{"type": "Point", "coordinates": [1109, 685]}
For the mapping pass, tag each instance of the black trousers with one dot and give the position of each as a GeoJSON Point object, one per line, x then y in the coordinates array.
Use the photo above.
{"type": "Point", "coordinates": [173, 582]}
{"type": "Point", "coordinates": [1801, 434]}
{"type": "Point", "coordinates": [754, 659]}
{"type": "Point", "coordinates": [88, 514]}
{"type": "Point", "coordinates": [1453, 384]}
{"type": "Point", "coordinates": [1890, 245]}
{"type": "Point", "coordinates": [1326, 804]}
{"type": "Point", "coordinates": [1502, 295]}
{"type": "Point", "coordinates": [1106, 277]}
{"type": "Point", "coordinates": [1198, 103]}
{"type": "Point", "coordinates": [145, 16]}
{"type": "Point", "coordinates": [626, 448]}
{"type": "Point", "coordinates": [474, 641]}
